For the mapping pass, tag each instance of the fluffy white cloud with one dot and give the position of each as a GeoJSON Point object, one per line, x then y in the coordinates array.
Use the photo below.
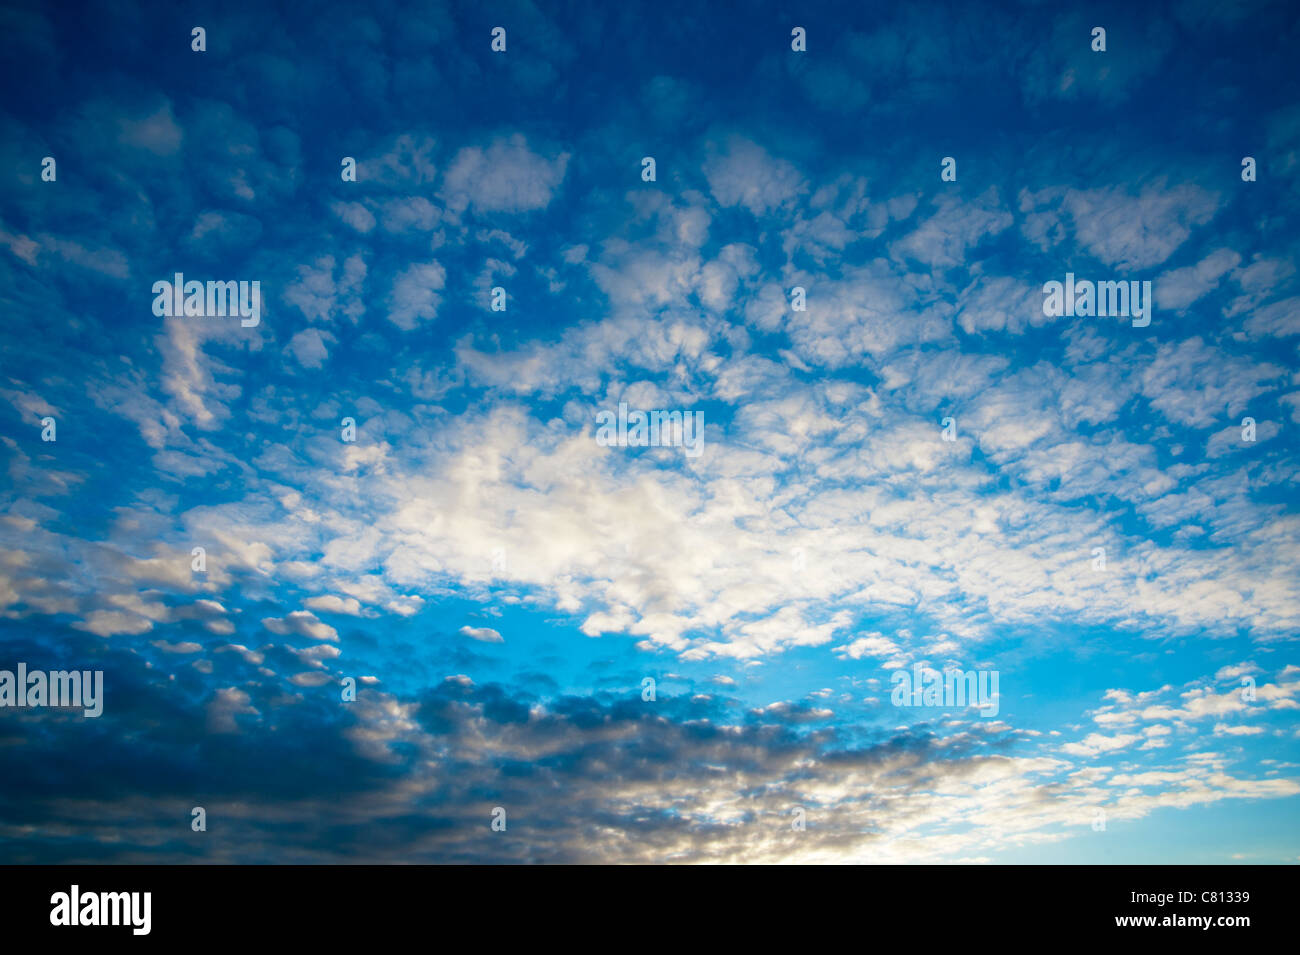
{"type": "Point", "coordinates": [415, 297]}
{"type": "Point", "coordinates": [482, 634]}
{"type": "Point", "coordinates": [505, 177]}
{"type": "Point", "coordinates": [301, 623]}
{"type": "Point", "coordinates": [742, 173]}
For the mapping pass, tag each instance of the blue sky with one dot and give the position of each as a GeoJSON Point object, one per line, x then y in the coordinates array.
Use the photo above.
{"type": "Point", "coordinates": [500, 583]}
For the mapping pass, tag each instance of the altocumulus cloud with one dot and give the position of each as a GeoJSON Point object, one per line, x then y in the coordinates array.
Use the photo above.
{"type": "Point", "coordinates": [269, 537]}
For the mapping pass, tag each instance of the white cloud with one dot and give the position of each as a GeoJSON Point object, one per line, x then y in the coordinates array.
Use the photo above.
{"type": "Point", "coordinates": [301, 623]}
{"type": "Point", "coordinates": [1181, 287]}
{"type": "Point", "coordinates": [947, 237]}
{"type": "Point", "coordinates": [310, 347]}
{"type": "Point", "coordinates": [482, 634]}
{"type": "Point", "coordinates": [1127, 230]}
{"type": "Point", "coordinates": [506, 177]}
{"type": "Point", "coordinates": [414, 298]}
{"type": "Point", "coordinates": [1096, 743]}
{"type": "Point", "coordinates": [332, 604]}
{"type": "Point", "coordinates": [743, 174]}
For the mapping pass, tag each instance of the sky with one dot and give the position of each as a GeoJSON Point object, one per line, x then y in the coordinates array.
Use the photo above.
{"type": "Point", "coordinates": [566, 650]}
